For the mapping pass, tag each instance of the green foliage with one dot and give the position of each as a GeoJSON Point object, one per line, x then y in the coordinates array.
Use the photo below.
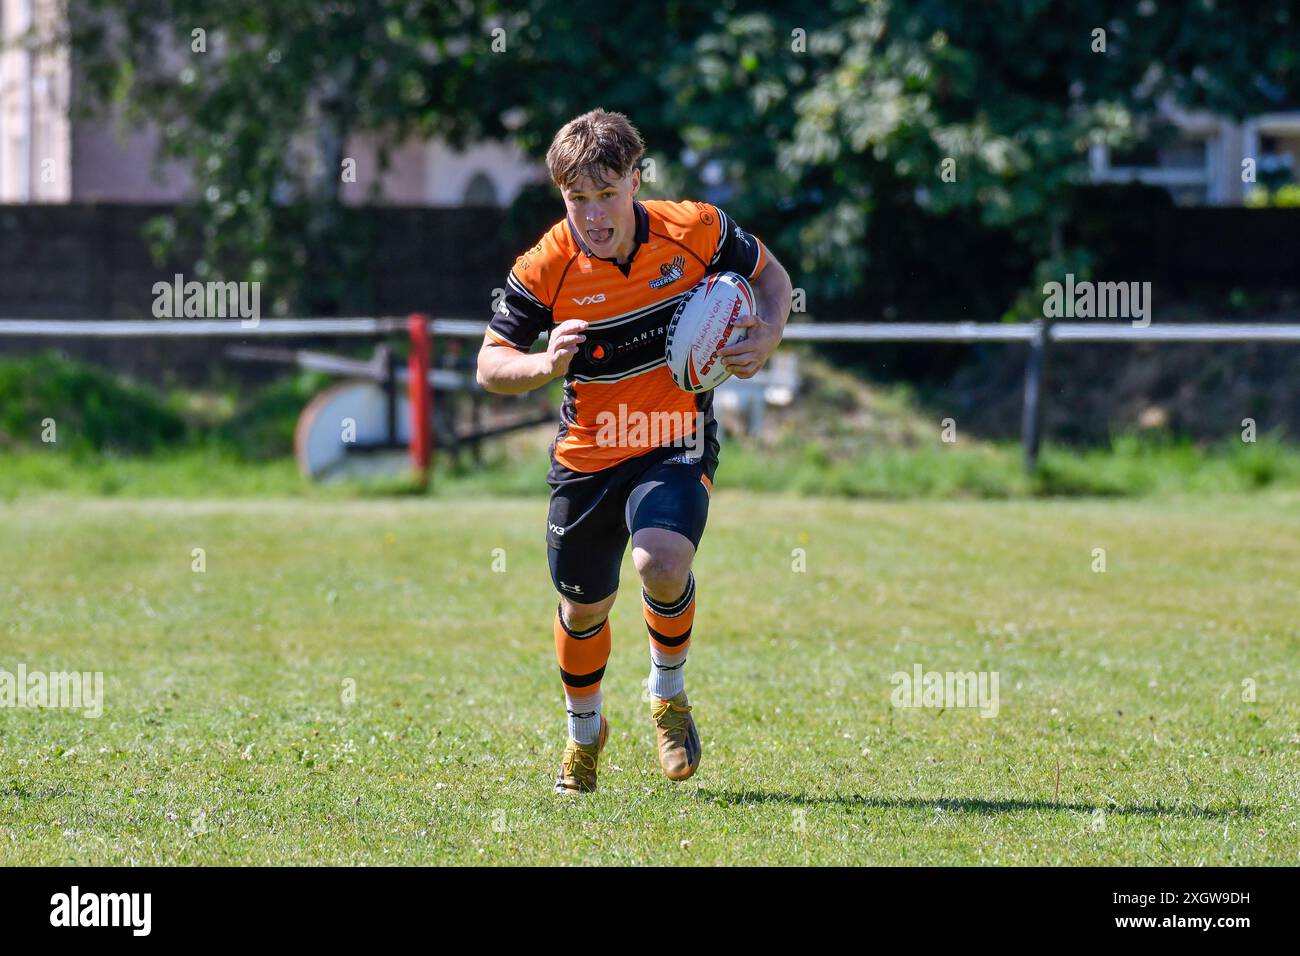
{"type": "Point", "coordinates": [90, 409]}
{"type": "Point", "coordinates": [263, 111]}
{"type": "Point", "coordinates": [95, 412]}
{"type": "Point", "coordinates": [825, 121]}
{"type": "Point", "coordinates": [262, 427]}
{"type": "Point", "coordinates": [1284, 197]}
{"type": "Point", "coordinates": [121, 439]}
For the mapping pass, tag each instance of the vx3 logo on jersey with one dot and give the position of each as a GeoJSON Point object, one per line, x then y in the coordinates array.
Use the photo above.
{"type": "Point", "coordinates": [590, 299]}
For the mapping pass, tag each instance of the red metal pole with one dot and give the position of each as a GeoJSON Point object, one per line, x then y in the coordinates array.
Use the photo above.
{"type": "Point", "coordinates": [420, 394]}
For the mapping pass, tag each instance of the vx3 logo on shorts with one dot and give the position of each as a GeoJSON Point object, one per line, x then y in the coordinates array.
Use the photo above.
{"type": "Point", "coordinates": [559, 532]}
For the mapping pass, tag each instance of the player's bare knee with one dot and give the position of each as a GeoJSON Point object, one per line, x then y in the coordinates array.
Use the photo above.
{"type": "Point", "coordinates": [582, 617]}
{"type": "Point", "coordinates": [664, 569]}
{"type": "Point", "coordinates": [662, 555]}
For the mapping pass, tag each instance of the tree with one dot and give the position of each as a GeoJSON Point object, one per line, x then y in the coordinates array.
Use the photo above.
{"type": "Point", "coordinates": [946, 106]}
{"type": "Point", "coordinates": [814, 121]}
{"type": "Point", "coordinates": [260, 97]}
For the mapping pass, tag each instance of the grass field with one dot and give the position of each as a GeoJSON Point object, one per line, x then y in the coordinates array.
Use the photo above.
{"type": "Point", "coordinates": [229, 734]}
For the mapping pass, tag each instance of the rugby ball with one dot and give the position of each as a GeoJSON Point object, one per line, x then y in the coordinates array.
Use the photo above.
{"type": "Point", "coordinates": [703, 325]}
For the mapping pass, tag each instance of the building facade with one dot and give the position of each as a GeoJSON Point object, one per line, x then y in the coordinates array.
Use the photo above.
{"type": "Point", "coordinates": [48, 156]}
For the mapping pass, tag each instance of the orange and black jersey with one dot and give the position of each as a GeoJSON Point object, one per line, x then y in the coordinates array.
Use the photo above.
{"type": "Point", "coordinates": [620, 367]}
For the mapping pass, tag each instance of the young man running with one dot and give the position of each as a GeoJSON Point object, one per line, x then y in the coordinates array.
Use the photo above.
{"type": "Point", "coordinates": [635, 455]}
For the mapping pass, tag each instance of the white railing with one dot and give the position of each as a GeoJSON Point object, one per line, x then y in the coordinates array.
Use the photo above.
{"type": "Point", "coordinates": [1035, 334]}
{"type": "Point", "coordinates": [795, 332]}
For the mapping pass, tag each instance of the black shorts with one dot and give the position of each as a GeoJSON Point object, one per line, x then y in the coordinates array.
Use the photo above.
{"type": "Point", "coordinates": [592, 516]}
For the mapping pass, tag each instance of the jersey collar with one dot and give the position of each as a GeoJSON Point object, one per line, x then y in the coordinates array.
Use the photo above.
{"type": "Point", "coordinates": [642, 235]}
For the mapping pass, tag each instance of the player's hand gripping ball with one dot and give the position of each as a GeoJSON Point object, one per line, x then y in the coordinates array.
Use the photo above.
{"type": "Point", "coordinates": [704, 324]}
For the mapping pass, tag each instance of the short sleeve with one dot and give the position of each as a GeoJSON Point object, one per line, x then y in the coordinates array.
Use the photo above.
{"type": "Point", "coordinates": [736, 250]}
{"type": "Point", "coordinates": [520, 318]}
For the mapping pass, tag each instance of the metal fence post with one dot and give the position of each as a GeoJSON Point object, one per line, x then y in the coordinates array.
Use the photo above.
{"type": "Point", "coordinates": [1031, 419]}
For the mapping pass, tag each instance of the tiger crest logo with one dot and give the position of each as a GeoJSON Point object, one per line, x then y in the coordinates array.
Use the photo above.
{"type": "Point", "coordinates": [669, 272]}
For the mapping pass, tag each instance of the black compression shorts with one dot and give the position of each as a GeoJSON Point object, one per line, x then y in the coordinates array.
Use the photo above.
{"type": "Point", "coordinates": [592, 516]}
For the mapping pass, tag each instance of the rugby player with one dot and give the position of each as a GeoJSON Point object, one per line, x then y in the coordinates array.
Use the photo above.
{"type": "Point", "coordinates": [635, 455]}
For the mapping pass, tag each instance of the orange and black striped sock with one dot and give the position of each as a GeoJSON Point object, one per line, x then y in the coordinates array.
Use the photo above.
{"type": "Point", "coordinates": [582, 656]}
{"type": "Point", "coordinates": [670, 638]}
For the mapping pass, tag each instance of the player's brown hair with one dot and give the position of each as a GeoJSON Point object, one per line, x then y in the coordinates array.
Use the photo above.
{"type": "Point", "coordinates": [597, 145]}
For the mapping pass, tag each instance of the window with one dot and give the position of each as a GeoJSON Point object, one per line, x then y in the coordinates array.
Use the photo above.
{"type": "Point", "coordinates": [481, 191]}
{"type": "Point", "coordinates": [1182, 164]}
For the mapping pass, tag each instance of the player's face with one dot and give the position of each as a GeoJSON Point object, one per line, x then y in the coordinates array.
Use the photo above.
{"type": "Point", "coordinates": [603, 213]}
